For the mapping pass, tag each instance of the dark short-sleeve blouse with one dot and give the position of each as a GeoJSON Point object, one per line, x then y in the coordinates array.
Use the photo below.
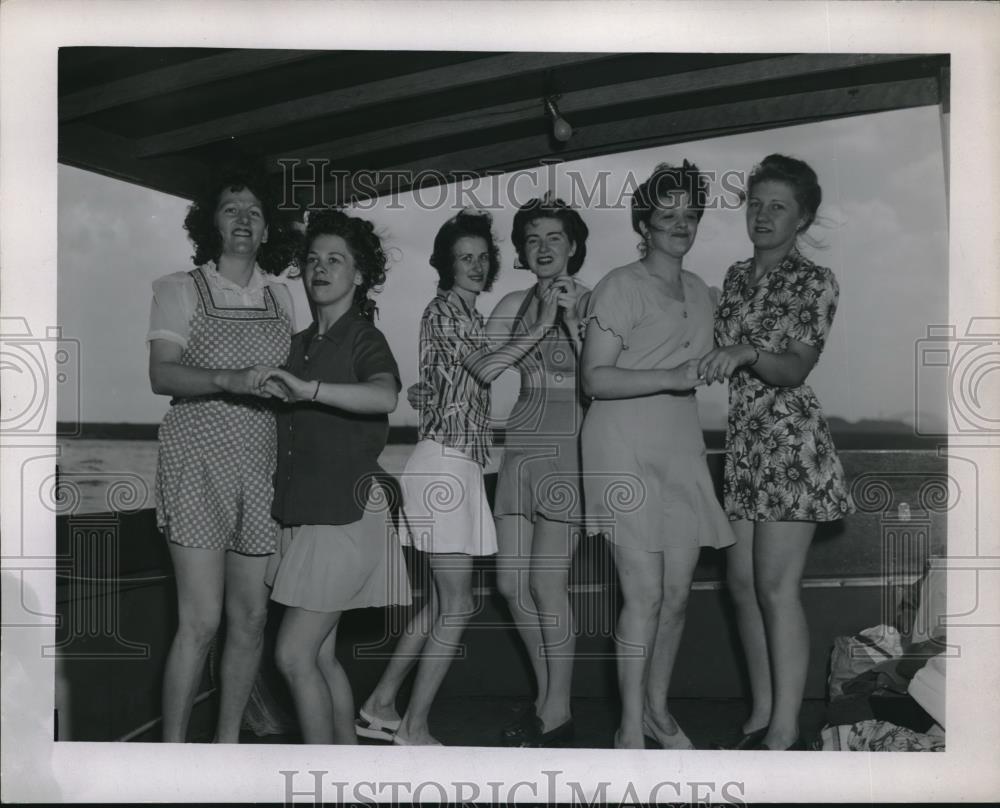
{"type": "Point", "coordinates": [328, 457]}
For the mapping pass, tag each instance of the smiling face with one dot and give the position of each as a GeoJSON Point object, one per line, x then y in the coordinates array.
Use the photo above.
{"type": "Point", "coordinates": [673, 225]}
{"type": "Point", "coordinates": [471, 264]}
{"type": "Point", "coordinates": [547, 248]}
{"type": "Point", "coordinates": [329, 273]}
{"type": "Point", "coordinates": [774, 216]}
{"type": "Point", "coordinates": [239, 216]}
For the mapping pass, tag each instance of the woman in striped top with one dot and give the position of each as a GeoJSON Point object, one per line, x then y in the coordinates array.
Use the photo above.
{"type": "Point", "coordinates": [445, 510]}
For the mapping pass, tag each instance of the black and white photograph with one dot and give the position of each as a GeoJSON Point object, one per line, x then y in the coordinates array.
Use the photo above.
{"type": "Point", "coordinates": [485, 402]}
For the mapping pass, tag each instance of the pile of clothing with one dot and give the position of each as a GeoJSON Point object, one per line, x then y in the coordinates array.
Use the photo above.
{"type": "Point", "coordinates": [887, 687]}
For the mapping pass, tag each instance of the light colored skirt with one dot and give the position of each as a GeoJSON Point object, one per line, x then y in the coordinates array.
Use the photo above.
{"type": "Point", "coordinates": [646, 482]}
{"type": "Point", "coordinates": [334, 568]}
{"type": "Point", "coordinates": [445, 509]}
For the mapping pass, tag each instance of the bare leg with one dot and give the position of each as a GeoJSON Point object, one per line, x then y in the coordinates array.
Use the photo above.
{"type": "Point", "coordinates": [749, 623]}
{"type": "Point", "coordinates": [340, 690]}
{"type": "Point", "coordinates": [780, 550]}
{"type": "Point", "coordinates": [246, 615]}
{"type": "Point", "coordinates": [300, 638]}
{"type": "Point", "coordinates": [678, 570]}
{"type": "Point", "coordinates": [513, 561]}
{"type": "Point", "coordinates": [382, 701]}
{"type": "Point", "coordinates": [640, 575]}
{"type": "Point", "coordinates": [199, 575]}
{"type": "Point", "coordinates": [552, 554]}
{"type": "Point", "coordinates": [452, 575]}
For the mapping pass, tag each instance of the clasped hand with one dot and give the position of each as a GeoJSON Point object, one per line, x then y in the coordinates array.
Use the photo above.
{"type": "Point", "coordinates": [271, 382]}
{"type": "Point", "coordinates": [720, 363]}
{"type": "Point", "coordinates": [563, 294]}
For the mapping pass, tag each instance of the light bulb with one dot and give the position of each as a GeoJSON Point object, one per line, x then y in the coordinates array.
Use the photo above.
{"type": "Point", "coordinates": [561, 129]}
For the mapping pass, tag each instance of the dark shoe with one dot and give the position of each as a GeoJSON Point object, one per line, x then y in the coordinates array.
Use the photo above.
{"type": "Point", "coordinates": [560, 736]}
{"type": "Point", "coordinates": [524, 729]}
{"type": "Point", "coordinates": [745, 741]}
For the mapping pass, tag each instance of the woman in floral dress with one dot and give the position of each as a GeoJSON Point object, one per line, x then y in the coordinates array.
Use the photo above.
{"type": "Point", "coordinates": [782, 475]}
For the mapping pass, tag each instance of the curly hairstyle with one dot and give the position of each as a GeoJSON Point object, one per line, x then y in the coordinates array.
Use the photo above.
{"type": "Point", "coordinates": [798, 175]}
{"type": "Point", "coordinates": [468, 223]}
{"type": "Point", "coordinates": [279, 249]}
{"type": "Point", "coordinates": [366, 247]}
{"type": "Point", "coordinates": [665, 180]}
{"type": "Point", "coordinates": [548, 207]}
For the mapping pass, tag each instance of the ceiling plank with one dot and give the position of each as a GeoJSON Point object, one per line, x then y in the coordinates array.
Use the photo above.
{"type": "Point", "coordinates": [650, 89]}
{"type": "Point", "coordinates": [173, 78]}
{"type": "Point", "coordinates": [409, 85]}
{"type": "Point", "coordinates": [85, 146]}
{"type": "Point", "coordinates": [636, 133]}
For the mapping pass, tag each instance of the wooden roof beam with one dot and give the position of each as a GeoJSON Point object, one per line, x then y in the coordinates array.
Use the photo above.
{"type": "Point", "coordinates": [182, 76]}
{"type": "Point", "coordinates": [651, 89]}
{"type": "Point", "coordinates": [645, 132]}
{"type": "Point", "coordinates": [84, 146]}
{"type": "Point", "coordinates": [347, 99]}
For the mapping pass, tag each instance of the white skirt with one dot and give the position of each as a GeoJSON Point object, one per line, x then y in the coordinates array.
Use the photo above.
{"type": "Point", "coordinates": [445, 509]}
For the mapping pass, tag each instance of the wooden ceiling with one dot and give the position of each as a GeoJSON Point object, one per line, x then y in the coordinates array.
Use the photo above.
{"type": "Point", "coordinates": [162, 117]}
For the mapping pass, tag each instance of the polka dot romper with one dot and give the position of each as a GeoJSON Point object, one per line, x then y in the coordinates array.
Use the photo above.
{"type": "Point", "coordinates": [214, 480]}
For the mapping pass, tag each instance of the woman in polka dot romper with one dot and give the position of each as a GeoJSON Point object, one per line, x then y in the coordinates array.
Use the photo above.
{"type": "Point", "coordinates": [213, 332]}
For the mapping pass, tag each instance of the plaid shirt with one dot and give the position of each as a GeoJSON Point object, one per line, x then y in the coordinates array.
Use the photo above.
{"type": "Point", "coordinates": [459, 413]}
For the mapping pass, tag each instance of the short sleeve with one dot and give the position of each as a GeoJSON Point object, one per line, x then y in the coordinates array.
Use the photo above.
{"type": "Point", "coordinates": [372, 356]}
{"type": "Point", "coordinates": [440, 337]}
{"type": "Point", "coordinates": [172, 308]}
{"type": "Point", "coordinates": [613, 306]}
{"type": "Point", "coordinates": [813, 312]}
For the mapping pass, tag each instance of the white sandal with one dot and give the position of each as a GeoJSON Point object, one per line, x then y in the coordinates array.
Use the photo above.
{"type": "Point", "coordinates": [379, 729]}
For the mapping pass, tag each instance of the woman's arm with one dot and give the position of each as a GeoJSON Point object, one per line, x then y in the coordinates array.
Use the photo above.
{"type": "Point", "coordinates": [574, 310]}
{"type": "Point", "coordinates": [601, 379]}
{"type": "Point", "coordinates": [168, 377]}
{"type": "Point", "coordinates": [505, 348]}
{"type": "Point", "coordinates": [375, 396]}
{"type": "Point", "coordinates": [788, 369]}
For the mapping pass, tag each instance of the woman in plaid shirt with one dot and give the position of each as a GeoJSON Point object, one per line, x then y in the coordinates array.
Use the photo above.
{"type": "Point", "coordinates": [445, 510]}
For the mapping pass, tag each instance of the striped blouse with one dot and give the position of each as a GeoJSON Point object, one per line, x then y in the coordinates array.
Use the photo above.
{"type": "Point", "coordinates": [459, 413]}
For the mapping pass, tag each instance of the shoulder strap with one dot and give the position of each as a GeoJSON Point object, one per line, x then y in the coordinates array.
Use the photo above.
{"type": "Point", "coordinates": [523, 308]}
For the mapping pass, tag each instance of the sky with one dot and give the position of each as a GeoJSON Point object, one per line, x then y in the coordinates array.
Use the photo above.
{"type": "Point", "coordinates": [882, 229]}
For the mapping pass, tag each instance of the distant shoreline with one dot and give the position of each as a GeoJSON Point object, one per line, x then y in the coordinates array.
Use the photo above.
{"type": "Point", "coordinates": [846, 435]}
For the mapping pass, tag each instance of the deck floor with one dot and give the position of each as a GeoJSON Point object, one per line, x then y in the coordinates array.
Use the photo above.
{"type": "Point", "coordinates": [477, 721]}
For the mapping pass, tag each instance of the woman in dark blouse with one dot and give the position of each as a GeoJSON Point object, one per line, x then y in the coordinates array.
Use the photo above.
{"type": "Point", "coordinates": [338, 550]}
{"type": "Point", "coordinates": [782, 475]}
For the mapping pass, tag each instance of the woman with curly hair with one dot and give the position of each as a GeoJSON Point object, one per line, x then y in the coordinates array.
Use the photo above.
{"type": "Point", "coordinates": [647, 484]}
{"type": "Point", "coordinates": [213, 330]}
{"type": "Point", "coordinates": [782, 475]}
{"type": "Point", "coordinates": [445, 510]}
{"type": "Point", "coordinates": [538, 503]}
{"type": "Point", "coordinates": [337, 550]}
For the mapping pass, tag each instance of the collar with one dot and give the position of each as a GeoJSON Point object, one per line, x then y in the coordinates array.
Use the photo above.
{"type": "Point", "coordinates": [258, 279]}
{"type": "Point", "coordinates": [338, 329]}
{"type": "Point", "coordinates": [451, 298]}
{"type": "Point", "coordinates": [792, 259]}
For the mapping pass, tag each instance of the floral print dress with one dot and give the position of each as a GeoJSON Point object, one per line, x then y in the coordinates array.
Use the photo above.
{"type": "Point", "coordinates": [780, 463]}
